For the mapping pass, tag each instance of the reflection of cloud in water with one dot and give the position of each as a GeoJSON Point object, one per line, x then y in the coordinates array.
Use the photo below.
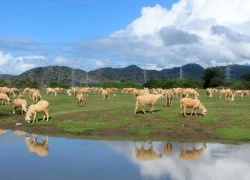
{"type": "Point", "coordinates": [217, 162]}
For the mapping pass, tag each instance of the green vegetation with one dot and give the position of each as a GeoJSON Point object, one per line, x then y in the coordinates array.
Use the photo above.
{"type": "Point", "coordinates": [115, 117]}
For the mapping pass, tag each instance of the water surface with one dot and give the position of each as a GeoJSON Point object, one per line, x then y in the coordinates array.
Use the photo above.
{"type": "Point", "coordinates": [60, 158]}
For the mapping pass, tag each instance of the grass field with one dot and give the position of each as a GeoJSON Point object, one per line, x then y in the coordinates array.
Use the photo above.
{"type": "Point", "coordinates": [226, 121]}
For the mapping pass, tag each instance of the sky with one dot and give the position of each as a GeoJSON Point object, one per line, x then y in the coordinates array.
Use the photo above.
{"type": "Point", "coordinates": [152, 34]}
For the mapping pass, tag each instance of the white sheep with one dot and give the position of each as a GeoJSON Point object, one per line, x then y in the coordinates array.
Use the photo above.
{"type": "Point", "coordinates": [52, 91]}
{"type": "Point", "coordinates": [105, 95]}
{"type": "Point", "coordinates": [80, 98]}
{"type": "Point", "coordinates": [147, 99]}
{"type": "Point", "coordinates": [36, 96]}
{"type": "Point", "coordinates": [5, 98]}
{"type": "Point", "coordinates": [19, 103]}
{"type": "Point", "coordinates": [34, 109]}
{"type": "Point", "coordinates": [191, 103]}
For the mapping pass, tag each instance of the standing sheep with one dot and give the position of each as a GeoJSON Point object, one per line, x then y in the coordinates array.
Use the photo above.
{"type": "Point", "coordinates": [34, 109]}
{"type": "Point", "coordinates": [147, 99]}
{"type": "Point", "coordinates": [36, 96]}
{"type": "Point", "coordinates": [19, 103]}
{"type": "Point", "coordinates": [191, 103]}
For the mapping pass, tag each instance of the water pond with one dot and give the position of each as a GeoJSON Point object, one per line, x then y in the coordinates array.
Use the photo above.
{"type": "Point", "coordinates": [38, 157]}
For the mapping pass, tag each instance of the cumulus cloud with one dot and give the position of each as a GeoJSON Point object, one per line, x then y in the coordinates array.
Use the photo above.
{"type": "Point", "coordinates": [191, 31]}
{"type": "Point", "coordinates": [197, 31]}
{"type": "Point", "coordinates": [15, 66]}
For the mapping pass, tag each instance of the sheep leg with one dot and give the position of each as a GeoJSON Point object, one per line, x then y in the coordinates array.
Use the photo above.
{"type": "Point", "coordinates": [34, 118]}
{"type": "Point", "coordinates": [152, 108]}
{"type": "Point", "coordinates": [184, 112]}
{"type": "Point", "coordinates": [136, 107]}
{"type": "Point", "coordinates": [143, 109]}
{"type": "Point", "coordinates": [181, 112]}
{"type": "Point", "coordinates": [192, 112]}
{"type": "Point", "coordinates": [14, 110]}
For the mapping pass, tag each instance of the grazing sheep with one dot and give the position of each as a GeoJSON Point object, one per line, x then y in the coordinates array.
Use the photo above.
{"type": "Point", "coordinates": [114, 96]}
{"type": "Point", "coordinates": [229, 95]}
{"type": "Point", "coordinates": [191, 154]}
{"type": "Point", "coordinates": [80, 98]}
{"type": "Point", "coordinates": [26, 90]}
{"type": "Point", "coordinates": [19, 103]}
{"type": "Point", "coordinates": [146, 154]}
{"type": "Point", "coordinates": [147, 99]}
{"type": "Point", "coordinates": [190, 92]}
{"type": "Point", "coordinates": [209, 92]}
{"type": "Point", "coordinates": [31, 91]}
{"type": "Point", "coordinates": [168, 149]}
{"type": "Point", "coordinates": [40, 149]}
{"type": "Point", "coordinates": [40, 107]}
{"type": "Point", "coordinates": [238, 92]}
{"type": "Point", "coordinates": [36, 96]}
{"type": "Point", "coordinates": [52, 91]}
{"type": "Point", "coordinates": [191, 103]}
{"type": "Point", "coordinates": [5, 98]}
{"type": "Point", "coordinates": [105, 95]}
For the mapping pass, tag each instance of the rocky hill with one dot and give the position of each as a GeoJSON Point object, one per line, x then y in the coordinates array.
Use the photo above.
{"type": "Point", "coordinates": [133, 73]}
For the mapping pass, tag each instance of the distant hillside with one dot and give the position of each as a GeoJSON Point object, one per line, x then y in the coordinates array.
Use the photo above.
{"type": "Point", "coordinates": [43, 75]}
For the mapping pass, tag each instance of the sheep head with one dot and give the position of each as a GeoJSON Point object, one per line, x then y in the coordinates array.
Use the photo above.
{"type": "Point", "coordinates": [27, 119]}
{"type": "Point", "coordinates": [204, 112]}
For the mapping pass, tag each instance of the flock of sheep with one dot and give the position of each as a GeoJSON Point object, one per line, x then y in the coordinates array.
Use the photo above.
{"type": "Point", "coordinates": [144, 97]}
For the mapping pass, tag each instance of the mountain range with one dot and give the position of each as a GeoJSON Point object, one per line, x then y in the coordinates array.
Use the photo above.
{"type": "Point", "coordinates": [132, 73]}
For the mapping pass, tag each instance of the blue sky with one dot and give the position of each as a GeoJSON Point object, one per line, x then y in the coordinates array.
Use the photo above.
{"type": "Point", "coordinates": [153, 34]}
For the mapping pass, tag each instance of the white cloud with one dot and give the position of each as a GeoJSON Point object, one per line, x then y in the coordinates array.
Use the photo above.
{"type": "Point", "coordinates": [191, 31]}
{"type": "Point", "coordinates": [15, 66]}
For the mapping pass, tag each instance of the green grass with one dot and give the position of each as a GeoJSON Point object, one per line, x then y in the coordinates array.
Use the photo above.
{"type": "Point", "coordinates": [234, 133]}
{"type": "Point", "coordinates": [115, 114]}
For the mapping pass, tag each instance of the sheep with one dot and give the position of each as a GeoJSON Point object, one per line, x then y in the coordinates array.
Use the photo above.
{"type": "Point", "coordinates": [147, 99]}
{"type": "Point", "coordinates": [191, 103]}
{"type": "Point", "coordinates": [40, 107]}
{"type": "Point", "coordinates": [69, 92]}
{"type": "Point", "coordinates": [31, 91]}
{"type": "Point", "coordinates": [80, 98]}
{"type": "Point", "coordinates": [114, 96]}
{"type": "Point", "coordinates": [26, 90]}
{"type": "Point", "coordinates": [8, 91]}
{"type": "Point", "coordinates": [229, 95]}
{"type": "Point", "coordinates": [40, 149]}
{"type": "Point", "coordinates": [105, 95]}
{"type": "Point", "coordinates": [209, 92]}
{"type": "Point", "coordinates": [19, 103]}
{"type": "Point", "coordinates": [238, 92]}
{"type": "Point", "coordinates": [4, 97]}
{"type": "Point", "coordinates": [36, 96]}
{"type": "Point", "coordinates": [190, 92]}
{"type": "Point", "coordinates": [52, 91]}
{"type": "Point", "coordinates": [146, 154]}
{"type": "Point", "coordinates": [191, 154]}
{"type": "Point", "coordinates": [169, 95]}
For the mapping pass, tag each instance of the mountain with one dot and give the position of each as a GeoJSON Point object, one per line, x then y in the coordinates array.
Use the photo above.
{"type": "Point", "coordinates": [64, 74]}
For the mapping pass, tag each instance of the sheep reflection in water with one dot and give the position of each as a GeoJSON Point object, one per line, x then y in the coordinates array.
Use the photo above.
{"type": "Point", "coordinates": [40, 149]}
{"type": "Point", "coordinates": [168, 149]}
{"type": "Point", "coordinates": [146, 154]}
{"type": "Point", "coordinates": [2, 131]}
{"type": "Point", "coordinates": [191, 154]}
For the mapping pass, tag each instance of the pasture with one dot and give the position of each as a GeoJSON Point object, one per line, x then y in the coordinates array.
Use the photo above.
{"type": "Point", "coordinates": [115, 119]}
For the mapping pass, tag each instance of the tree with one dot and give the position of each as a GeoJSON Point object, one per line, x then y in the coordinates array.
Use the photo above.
{"type": "Point", "coordinates": [3, 83]}
{"type": "Point", "coordinates": [246, 77]}
{"type": "Point", "coordinates": [212, 77]}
